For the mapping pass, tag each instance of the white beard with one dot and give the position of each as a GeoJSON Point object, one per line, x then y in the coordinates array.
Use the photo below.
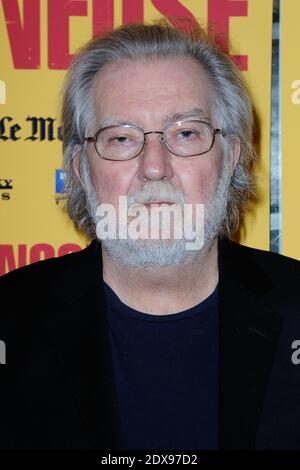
{"type": "Point", "coordinates": [148, 252]}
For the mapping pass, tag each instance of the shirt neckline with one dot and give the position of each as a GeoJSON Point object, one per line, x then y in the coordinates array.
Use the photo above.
{"type": "Point", "coordinates": [203, 308]}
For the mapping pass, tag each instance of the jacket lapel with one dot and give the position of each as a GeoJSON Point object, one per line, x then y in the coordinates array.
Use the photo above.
{"type": "Point", "coordinates": [79, 333]}
{"type": "Point", "coordinates": [249, 331]}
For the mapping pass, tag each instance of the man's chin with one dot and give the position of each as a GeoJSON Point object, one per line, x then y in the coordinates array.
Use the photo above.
{"type": "Point", "coordinates": [148, 252]}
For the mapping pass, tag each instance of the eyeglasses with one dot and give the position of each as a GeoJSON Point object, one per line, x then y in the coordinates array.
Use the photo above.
{"type": "Point", "coordinates": [182, 138]}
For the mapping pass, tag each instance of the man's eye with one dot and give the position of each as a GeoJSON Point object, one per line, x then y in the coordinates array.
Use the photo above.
{"type": "Point", "coordinates": [188, 134]}
{"type": "Point", "coordinates": [121, 139]}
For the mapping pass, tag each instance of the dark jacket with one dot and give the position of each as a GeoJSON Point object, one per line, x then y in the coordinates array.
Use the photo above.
{"type": "Point", "coordinates": [57, 387]}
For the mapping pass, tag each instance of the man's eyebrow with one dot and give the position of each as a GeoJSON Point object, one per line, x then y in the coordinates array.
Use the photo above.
{"type": "Point", "coordinates": [111, 121]}
{"type": "Point", "coordinates": [193, 113]}
{"type": "Point", "coordinates": [198, 113]}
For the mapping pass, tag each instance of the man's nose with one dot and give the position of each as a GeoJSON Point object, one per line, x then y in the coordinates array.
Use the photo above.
{"type": "Point", "coordinates": [155, 162]}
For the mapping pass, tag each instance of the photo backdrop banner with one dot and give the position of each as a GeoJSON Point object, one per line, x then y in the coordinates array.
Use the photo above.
{"type": "Point", "coordinates": [37, 40]}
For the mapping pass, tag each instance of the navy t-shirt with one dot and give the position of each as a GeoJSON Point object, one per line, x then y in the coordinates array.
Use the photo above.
{"type": "Point", "coordinates": [166, 372]}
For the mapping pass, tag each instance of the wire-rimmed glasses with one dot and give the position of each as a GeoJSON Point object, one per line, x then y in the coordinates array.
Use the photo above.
{"type": "Point", "coordinates": [123, 142]}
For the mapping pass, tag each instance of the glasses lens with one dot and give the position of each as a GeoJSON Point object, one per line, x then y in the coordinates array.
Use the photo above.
{"type": "Point", "coordinates": [189, 138]}
{"type": "Point", "coordinates": [119, 142]}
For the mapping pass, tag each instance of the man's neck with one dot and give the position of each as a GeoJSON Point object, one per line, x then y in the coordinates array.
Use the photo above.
{"type": "Point", "coordinates": [164, 290]}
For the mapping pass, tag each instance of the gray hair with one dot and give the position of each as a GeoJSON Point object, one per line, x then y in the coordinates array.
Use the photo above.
{"type": "Point", "coordinates": [231, 109]}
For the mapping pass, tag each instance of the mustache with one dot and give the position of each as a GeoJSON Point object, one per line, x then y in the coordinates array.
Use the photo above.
{"type": "Point", "coordinates": [157, 191]}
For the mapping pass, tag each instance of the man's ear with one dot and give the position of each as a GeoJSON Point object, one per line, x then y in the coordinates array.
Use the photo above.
{"type": "Point", "coordinates": [76, 162]}
{"type": "Point", "coordinates": [235, 151]}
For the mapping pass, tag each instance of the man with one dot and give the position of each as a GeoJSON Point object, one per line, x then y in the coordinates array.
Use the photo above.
{"type": "Point", "coordinates": [144, 342]}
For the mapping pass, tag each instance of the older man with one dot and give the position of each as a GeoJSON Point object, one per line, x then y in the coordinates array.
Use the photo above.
{"type": "Point", "coordinates": [147, 342]}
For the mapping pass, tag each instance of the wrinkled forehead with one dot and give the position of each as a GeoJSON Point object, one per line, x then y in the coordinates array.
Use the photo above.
{"type": "Point", "coordinates": [165, 90]}
{"type": "Point", "coordinates": [168, 119]}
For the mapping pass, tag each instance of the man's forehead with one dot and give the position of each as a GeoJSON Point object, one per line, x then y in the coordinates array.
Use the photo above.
{"type": "Point", "coordinates": [166, 90]}
{"type": "Point", "coordinates": [194, 113]}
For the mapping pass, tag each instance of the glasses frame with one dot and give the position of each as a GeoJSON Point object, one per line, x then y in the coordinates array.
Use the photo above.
{"type": "Point", "coordinates": [162, 140]}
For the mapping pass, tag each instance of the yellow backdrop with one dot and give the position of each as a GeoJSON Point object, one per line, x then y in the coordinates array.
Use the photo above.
{"type": "Point", "coordinates": [37, 38]}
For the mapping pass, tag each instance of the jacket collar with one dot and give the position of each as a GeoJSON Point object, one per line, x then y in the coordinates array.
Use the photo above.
{"type": "Point", "coordinates": [79, 333]}
{"type": "Point", "coordinates": [249, 329]}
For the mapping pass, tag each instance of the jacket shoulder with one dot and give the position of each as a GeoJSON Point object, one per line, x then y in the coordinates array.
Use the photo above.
{"type": "Point", "coordinates": [267, 258]}
{"type": "Point", "coordinates": [42, 272]}
{"type": "Point", "coordinates": [282, 271]}
{"type": "Point", "coordinates": [31, 288]}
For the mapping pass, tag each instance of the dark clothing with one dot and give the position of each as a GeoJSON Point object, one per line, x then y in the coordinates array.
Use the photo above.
{"type": "Point", "coordinates": [58, 389]}
{"type": "Point", "coordinates": [166, 372]}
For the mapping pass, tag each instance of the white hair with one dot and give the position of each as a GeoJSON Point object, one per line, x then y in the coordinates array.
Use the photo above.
{"type": "Point", "coordinates": [231, 106]}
